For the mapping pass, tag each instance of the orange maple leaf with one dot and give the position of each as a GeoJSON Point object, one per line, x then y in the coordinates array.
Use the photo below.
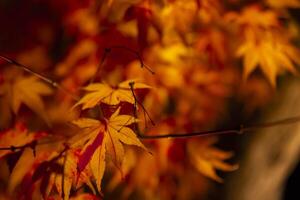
{"type": "Point", "coordinates": [69, 177]}
{"type": "Point", "coordinates": [16, 137]}
{"type": "Point", "coordinates": [271, 53]}
{"type": "Point", "coordinates": [101, 137]}
{"type": "Point", "coordinates": [264, 43]}
{"type": "Point", "coordinates": [101, 92]}
{"type": "Point", "coordinates": [206, 158]}
{"type": "Point", "coordinates": [18, 89]}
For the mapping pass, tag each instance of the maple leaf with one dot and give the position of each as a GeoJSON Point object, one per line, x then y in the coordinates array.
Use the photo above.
{"type": "Point", "coordinates": [144, 16]}
{"type": "Point", "coordinates": [101, 137]}
{"type": "Point", "coordinates": [264, 43]}
{"type": "Point", "coordinates": [55, 168]}
{"type": "Point", "coordinates": [271, 53]}
{"type": "Point", "coordinates": [20, 89]}
{"type": "Point", "coordinates": [254, 16]}
{"type": "Point", "coordinates": [16, 137]}
{"type": "Point", "coordinates": [29, 168]}
{"type": "Point", "coordinates": [21, 168]}
{"type": "Point", "coordinates": [136, 168]}
{"type": "Point", "coordinates": [206, 158]}
{"type": "Point", "coordinates": [64, 181]}
{"type": "Point", "coordinates": [101, 92]}
{"type": "Point", "coordinates": [179, 21]}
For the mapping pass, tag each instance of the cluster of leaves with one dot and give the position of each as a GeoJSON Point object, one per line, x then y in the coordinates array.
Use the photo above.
{"type": "Point", "coordinates": [98, 50]}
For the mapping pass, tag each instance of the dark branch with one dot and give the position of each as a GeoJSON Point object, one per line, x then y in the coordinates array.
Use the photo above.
{"type": "Point", "coordinates": [31, 145]}
{"type": "Point", "coordinates": [104, 56]}
{"type": "Point", "coordinates": [40, 76]}
{"type": "Point", "coordinates": [107, 50]}
{"type": "Point", "coordinates": [136, 101]}
{"type": "Point", "coordinates": [241, 130]}
{"type": "Point", "coordinates": [137, 54]}
{"type": "Point", "coordinates": [13, 148]}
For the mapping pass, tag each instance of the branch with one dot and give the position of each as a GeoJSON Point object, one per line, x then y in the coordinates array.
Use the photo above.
{"type": "Point", "coordinates": [40, 76]}
{"type": "Point", "coordinates": [65, 90]}
{"type": "Point", "coordinates": [137, 54]}
{"type": "Point", "coordinates": [104, 55]}
{"type": "Point", "coordinates": [14, 148]}
{"type": "Point", "coordinates": [31, 145]}
{"type": "Point", "coordinates": [136, 101]}
{"type": "Point", "coordinates": [107, 50]}
{"type": "Point", "coordinates": [242, 129]}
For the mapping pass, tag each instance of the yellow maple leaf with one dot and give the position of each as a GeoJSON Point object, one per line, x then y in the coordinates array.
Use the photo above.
{"type": "Point", "coordinates": [55, 169]}
{"type": "Point", "coordinates": [206, 158]}
{"type": "Point", "coordinates": [101, 92]}
{"type": "Point", "coordinates": [272, 53]}
{"type": "Point", "coordinates": [254, 16]}
{"type": "Point", "coordinates": [99, 137]}
{"type": "Point", "coordinates": [28, 90]}
{"type": "Point", "coordinates": [69, 177]}
{"type": "Point", "coordinates": [264, 43]}
{"type": "Point", "coordinates": [25, 166]}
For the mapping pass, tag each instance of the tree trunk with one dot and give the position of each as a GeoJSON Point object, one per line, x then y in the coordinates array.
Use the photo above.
{"type": "Point", "coordinates": [271, 154]}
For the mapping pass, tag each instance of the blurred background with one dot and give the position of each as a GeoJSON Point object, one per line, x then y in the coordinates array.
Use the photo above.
{"type": "Point", "coordinates": [218, 65]}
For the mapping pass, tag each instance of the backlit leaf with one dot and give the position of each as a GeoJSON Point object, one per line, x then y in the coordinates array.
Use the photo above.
{"type": "Point", "coordinates": [101, 137]}
{"type": "Point", "coordinates": [103, 93]}
{"type": "Point", "coordinates": [206, 158]}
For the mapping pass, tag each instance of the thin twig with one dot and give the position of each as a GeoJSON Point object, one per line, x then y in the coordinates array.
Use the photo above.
{"type": "Point", "coordinates": [104, 56]}
{"type": "Point", "coordinates": [241, 130]}
{"type": "Point", "coordinates": [107, 50]}
{"type": "Point", "coordinates": [40, 76]}
{"type": "Point", "coordinates": [31, 145]}
{"type": "Point", "coordinates": [136, 101]}
{"type": "Point", "coordinates": [15, 148]}
{"type": "Point", "coordinates": [131, 84]}
{"type": "Point", "coordinates": [137, 54]}
{"type": "Point", "coordinates": [136, 127]}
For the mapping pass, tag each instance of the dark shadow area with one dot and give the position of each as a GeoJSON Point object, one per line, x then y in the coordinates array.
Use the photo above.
{"type": "Point", "coordinates": [292, 186]}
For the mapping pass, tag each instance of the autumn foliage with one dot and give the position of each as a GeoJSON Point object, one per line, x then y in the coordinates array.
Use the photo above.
{"type": "Point", "coordinates": [90, 89]}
